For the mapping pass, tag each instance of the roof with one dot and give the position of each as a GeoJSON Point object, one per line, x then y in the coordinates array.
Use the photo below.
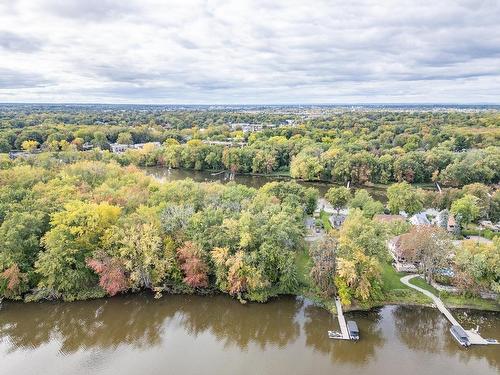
{"type": "Point", "coordinates": [459, 331]}
{"type": "Point", "coordinates": [388, 218]}
{"type": "Point", "coordinates": [353, 327]}
{"type": "Point", "coordinates": [420, 219]}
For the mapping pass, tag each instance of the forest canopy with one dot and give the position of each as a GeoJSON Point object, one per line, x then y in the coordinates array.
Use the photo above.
{"type": "Point", "coordinates": [92, 228]}
{"type": "Point", "coordinates": [453, 148]}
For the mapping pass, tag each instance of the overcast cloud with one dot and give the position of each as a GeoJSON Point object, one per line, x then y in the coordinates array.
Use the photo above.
{"type": "Point", "coordinates": [263, 51]}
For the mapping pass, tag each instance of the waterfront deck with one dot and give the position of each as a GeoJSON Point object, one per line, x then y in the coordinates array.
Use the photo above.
{"type": "Point", "coordinates": [473, 335]}
{"type": "Point", "coordinates": [344, 332]}
{"type": "Point", "coordinates": [341, 318]}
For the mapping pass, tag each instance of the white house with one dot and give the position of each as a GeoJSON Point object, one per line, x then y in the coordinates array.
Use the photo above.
{"type": "Point", "coordinates": [118, 148]}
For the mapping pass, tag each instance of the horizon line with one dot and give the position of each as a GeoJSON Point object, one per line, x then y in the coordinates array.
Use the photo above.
{"type": "Point", "coordinates": [258, 104]}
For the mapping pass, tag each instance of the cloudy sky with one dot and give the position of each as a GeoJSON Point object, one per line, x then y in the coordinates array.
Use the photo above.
{"type": "Point", "coordinates": [261, 51]}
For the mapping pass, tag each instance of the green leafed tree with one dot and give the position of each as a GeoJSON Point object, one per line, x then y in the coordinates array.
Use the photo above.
{"type": "Point", "coordinates": [338, 197]}
{"type": "Point", "coordinates": [77, 233]}
{"type": "Point", "coordinates": [466, 209]}
{"type": "Point", "coordinates": [403, 197]}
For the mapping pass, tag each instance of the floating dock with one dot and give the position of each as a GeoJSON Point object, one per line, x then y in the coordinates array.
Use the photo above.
{"type": "Point", "coordinates": [472, 334]}
{"type": "Point", "coordinates": [344, 332]}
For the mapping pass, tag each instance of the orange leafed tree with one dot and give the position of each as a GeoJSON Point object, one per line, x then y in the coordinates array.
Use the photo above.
{"type": "Point", "coordinates": [14, 278]}
{"type": "Point", "coordinates": [192, 264]}
{"type": "Point", "coordinates": [111, 273]}
{"type": "Point", "coordinates": [12, 275]}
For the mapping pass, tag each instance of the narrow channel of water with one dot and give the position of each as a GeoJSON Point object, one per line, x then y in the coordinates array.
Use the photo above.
{"type": "Point", "coordinates": [165, 174]}
{"type": "Point", "coordinates": [137, 334]}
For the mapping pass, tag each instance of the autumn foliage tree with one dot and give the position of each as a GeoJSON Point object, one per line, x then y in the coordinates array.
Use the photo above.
{"type": "Point", "coordinates": [12, 281]}
{"type": "Point", "coordinates": [429, 246]}
{"type": "Point", "coordinates": [111, 273]}
{"type": "Point", "coordinates": [323, 255]}
{"type": "Point", "coordinates": [192, 264]}
{"type": "Point", "coordinates": [361, 248]}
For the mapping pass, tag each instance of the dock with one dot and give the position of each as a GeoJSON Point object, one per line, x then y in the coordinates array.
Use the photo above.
{"type": "Point", "coordinates": [473, 334]}
{"type": "Point", "coordinates": [217, 173]}
{"type": "Point", "coordinates": [344, 332]}
{"type": "Point", "coordinates": [342, 323]}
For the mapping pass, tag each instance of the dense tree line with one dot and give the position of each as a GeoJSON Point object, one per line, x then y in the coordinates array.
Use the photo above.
{"type": "Point", "coordinates": [89, 228]}
{"type": "Point", "coordinates": [92, 228]}
{"type": "Point", "coordinates": [452, 147]}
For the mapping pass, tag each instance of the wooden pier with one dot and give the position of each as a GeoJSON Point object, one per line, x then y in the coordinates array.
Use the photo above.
{"type": "Point", "coordinates": [342, 323]}
{"type": "Point", "coordinates": [473, 334]}
{"type": "Point", "coordinates": [344, 332]}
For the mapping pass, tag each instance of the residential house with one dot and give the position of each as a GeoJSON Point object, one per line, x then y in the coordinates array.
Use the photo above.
{"type": "Point", "coordinates": [420, 219]}
{"type": "Point", "coordinates": [336, 220]}
{"type": "Point", "coordinates": [118, 148]}
{"type": "Point", "coordinates": [383, 218]}
{"type": "Point", "coordinates": [486, 224]}
{"type": "Point", "coordinates": [399, 248]}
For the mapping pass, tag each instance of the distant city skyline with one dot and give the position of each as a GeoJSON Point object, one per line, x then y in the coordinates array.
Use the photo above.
{"type": "Point", "coordinates": [250, 52]}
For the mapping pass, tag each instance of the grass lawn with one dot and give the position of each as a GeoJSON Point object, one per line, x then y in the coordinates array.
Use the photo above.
{"type": "Point", "coordinates": [457, 300]}
{"type": "Point", "coordinates": [324, 216]}
{"type": "Point", "coordinates": [390, 278]}
{"type": "Point", "coordinates": [303, 263]}
{"type": "Point", "coordinates": [418, 281]}
{"type": "Point", "coordinates": [454, 300]}
{"type": "Point", "coordinates": [395, 291]}
{"type": "Point", "coordinates": [306, 287]}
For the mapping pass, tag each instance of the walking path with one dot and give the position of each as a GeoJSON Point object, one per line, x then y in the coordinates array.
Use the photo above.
{"type": "Point", "coordinates": [437, 301]}
{"type": "Point", "coordinates": [474, 336]}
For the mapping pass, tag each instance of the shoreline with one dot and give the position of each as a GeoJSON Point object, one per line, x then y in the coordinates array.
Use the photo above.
{"type": "Point", "coordinates": [317, 301]}
{"type": "Point", "coordinates": [286, 176]}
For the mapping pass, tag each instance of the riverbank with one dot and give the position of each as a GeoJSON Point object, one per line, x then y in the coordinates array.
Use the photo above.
{"type": "Point", "coordinates": [285, 175]}
{"type": "Point", "coordinates": [394, 292]}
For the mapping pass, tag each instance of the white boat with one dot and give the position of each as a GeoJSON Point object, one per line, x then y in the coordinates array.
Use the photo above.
{"type": "Point", "coordinates": [352, 327]}
{"type": "Point", "coordinates": [334, 335]}
{"type": "Point", "coordinates": [460, 335]}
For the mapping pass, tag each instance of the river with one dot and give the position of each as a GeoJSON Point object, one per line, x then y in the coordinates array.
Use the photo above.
{"type": "Point", "coordinates": [137, 334]}
{"type": "Point", "coordinates": [256, 181]}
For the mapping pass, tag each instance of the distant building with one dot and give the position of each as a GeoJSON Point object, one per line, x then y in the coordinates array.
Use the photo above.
{"type": "Point", "coordinates": [118, 148]}
{"type": "Point", "coordinates": [87, 146]}
{"type": "Point", "coordinates": [383, 218]}
{"type": "Point", "coordinates": [226, 143]}
{"type": "Point", "coordinates": [336, 220]}
{"type": "Point", "coordinates": [14, 154]}
{"type": "Point", "coordinates": [420, 219]}
{"type": "Point", "coordinates": [250, 128]}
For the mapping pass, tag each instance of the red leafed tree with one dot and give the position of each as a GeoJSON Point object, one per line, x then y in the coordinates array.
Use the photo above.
{"type": "Point", "coordinates": [111, 273]}
{"type": "Point", "coordinates": [192, 264]}
{"type": "Point", "coordinates": [14, 278]}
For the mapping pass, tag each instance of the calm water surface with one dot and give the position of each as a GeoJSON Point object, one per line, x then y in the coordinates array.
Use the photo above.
{"type": "Point", "coordinates": [217, 335]}
{"type": "Point", "coordinates": [165, 174]}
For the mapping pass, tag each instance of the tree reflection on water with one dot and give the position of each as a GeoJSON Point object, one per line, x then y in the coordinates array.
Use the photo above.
{"type": "Point", "coordinates": [140, 321]}
{"type": "Point", "coordinates": [426, 329]}
{"type": "Point", "coordinates": [293, 325]}
{"type": "Point", "coordinates": [319, 322]}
